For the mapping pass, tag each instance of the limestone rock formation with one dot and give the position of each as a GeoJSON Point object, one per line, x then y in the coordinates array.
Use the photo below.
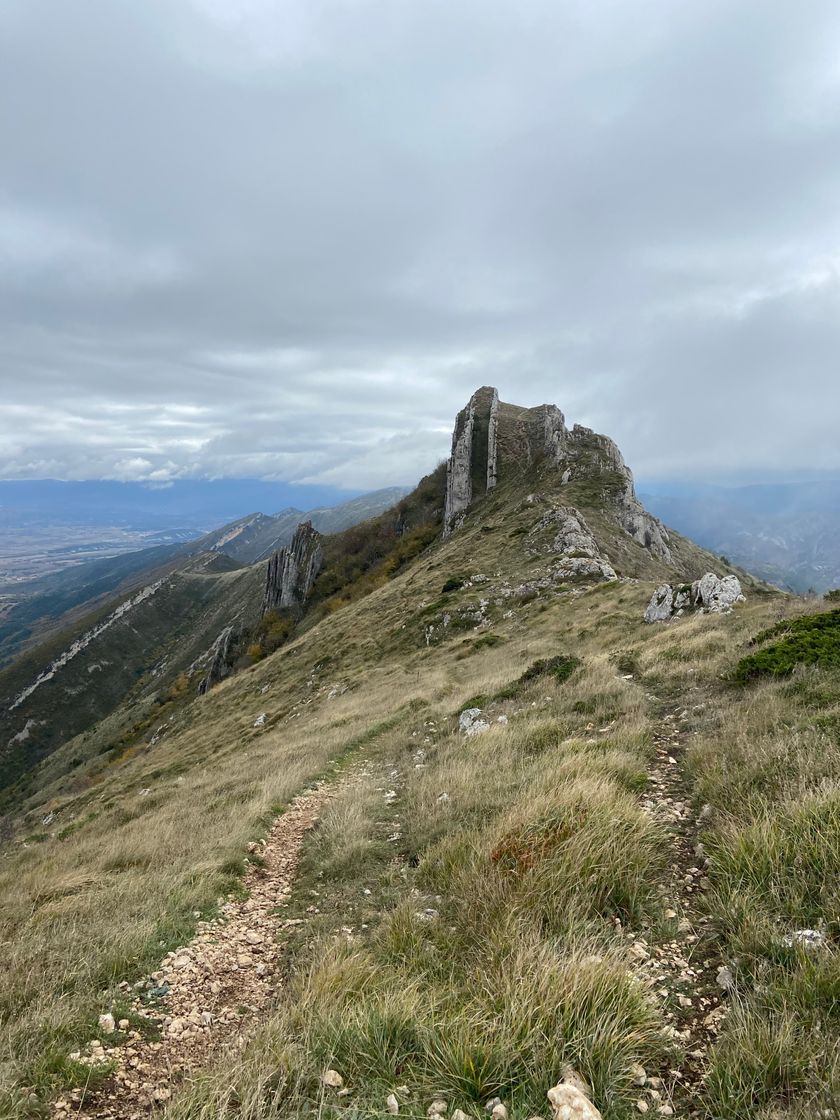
{"type": "Point", "coordinates": [568, 1102]}
{"type": "Point", "coordinates": [711, 593]}
{"type": "Point", "coordinates": [471, 723]}
{"type": "Point", "coordinates": [661, 605]}
{"type": "Point", "coordinates": [562, 530]}
{"type": "Point", "coordinates": [292, 571]}
{"type": "Point", "coordinates": [493, 440]}
{"type": "Point", "coordinates": [221, 661]}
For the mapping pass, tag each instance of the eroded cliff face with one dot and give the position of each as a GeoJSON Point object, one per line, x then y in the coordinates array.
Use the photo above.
{"type": "Point", "coordinates": [292, 571]}
{"type": "Point", "coordinates": [493, 440]}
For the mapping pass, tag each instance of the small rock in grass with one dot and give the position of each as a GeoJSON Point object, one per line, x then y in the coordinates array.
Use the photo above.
{"type": "Point", "coordinates": [638, 1074]}
{"type": "Point", "coordinates": [642, 1105]}
{"type": "Point", "coordinates": [725, 979]}
{"type": "Point", "coordinates": [491, 1104]}
{"type": "Point", "coordinates": [124, 1024]}
{"type": "Point", "coordinates": [437, 1108]}
{"type": "Point", "coordinates": [809, 939]}
{"type": "Point", "coordinates": [569, 1103]}
{"type": "Point", "coordinates": [107, 1024]}
{"type": "Point", "coordinates": [332, 1079]}
{"type": "Point", "coordinates": [392, 1104]}
{"type": "Point", "coordinates": [573, 1078]}
{"type": "Point", "coordinates": [459, 1115]}
{"type": "Point", "coordinates": [500, 1112]}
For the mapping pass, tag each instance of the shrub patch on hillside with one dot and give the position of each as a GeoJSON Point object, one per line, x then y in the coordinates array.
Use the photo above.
{"type": "Point", "coordinates": [810, 640]}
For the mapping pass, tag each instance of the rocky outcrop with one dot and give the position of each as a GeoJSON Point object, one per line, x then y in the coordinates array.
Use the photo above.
{"type": "Point", "coordinates": [562, 531]}
{"type": "Point", "coordinates": [221, 663]}
{"type": "Point", "coordinates": [292, 571]}
{"type": "Point", "coordinates": [711, 593]}
{"type": "Point", "coordinates": [472, 469]}
{"type": "Point", "coordinates": [493, 440]}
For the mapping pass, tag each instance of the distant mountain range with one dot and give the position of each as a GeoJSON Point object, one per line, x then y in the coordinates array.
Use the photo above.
{"type": "Point", "coordinates": [50, 602]}
{"type": "Point", "coordinates": [198, 504]}
{"type": "Point", "coordinates": [786, 533]}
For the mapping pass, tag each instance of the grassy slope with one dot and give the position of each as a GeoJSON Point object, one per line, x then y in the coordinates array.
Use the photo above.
{"type": "Point", "coordinates": [135, 661]}
{"type": "Point", "coordinates": [539, 846]}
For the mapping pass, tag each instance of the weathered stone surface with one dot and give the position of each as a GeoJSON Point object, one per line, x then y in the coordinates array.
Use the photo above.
{"type": "Point", "coordinates": [582, 566]}
{"type": "Point", "coordinates": [472, 469]}
{"type": "Point", "coordinates": [661, 606]}
{"type": "Point", "coordinates": [808, 939]}
{"type": "Point", "coordinates": [221, 661]}
{"type": "Point", "coordinates": [563, 530]}
{"type": "Point", "coordinates": [709, 593]}
{"type": "Point", "coordinates": [493, 440]}
{"type": "Point", "coordinates": [471, 723]}
{"type": "Point", "coordinates": [569, 1103]}
{"type": "Point", "coordinates": [292, 571]}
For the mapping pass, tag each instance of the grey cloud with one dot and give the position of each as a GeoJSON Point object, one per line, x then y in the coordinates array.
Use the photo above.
{"type": "Point", "coordinates": [288, 240]}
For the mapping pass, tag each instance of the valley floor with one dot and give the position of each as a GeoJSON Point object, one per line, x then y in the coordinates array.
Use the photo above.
{"type": "Point", "coordinates": [613, 879]}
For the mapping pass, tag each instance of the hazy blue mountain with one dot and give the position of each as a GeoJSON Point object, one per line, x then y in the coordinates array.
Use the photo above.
{"type": "Point", "coordinates": [785, 532]}
{"type": "Point", "coordinates": [187, 503]}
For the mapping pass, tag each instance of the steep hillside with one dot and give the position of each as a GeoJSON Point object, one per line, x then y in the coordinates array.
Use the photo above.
{"type": "Point", "coordinates": [497, 833]}
{"type": "Point", "coordinates": [51, 604]}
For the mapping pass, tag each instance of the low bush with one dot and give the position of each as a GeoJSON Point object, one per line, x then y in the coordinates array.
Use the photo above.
{"type": "Point", "coordinates": [810, 640]}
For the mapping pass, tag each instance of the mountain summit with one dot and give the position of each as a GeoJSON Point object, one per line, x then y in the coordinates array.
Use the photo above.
{"type": "Point", "coordinates": [495, 443]}
{"type": "Point", "coordinates": [563, 496]}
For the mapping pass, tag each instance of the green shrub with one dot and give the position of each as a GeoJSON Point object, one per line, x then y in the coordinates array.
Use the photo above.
{"type": "Point", "coordinates": [810, 640]}
{"type": "Point", "coordinates": [560, 668]}
{"type": "Point", "coordinates": [454, 583]}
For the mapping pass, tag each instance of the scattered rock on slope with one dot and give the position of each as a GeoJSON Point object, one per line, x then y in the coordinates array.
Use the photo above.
{"type": "Point", "coordinates": [710, 593]}
{"type": "Point", "coordinates": [471, 723]}
{"type": "Point", "coordinates": [562, 530]}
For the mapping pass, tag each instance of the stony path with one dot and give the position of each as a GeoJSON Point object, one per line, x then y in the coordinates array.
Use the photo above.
{"type": "Point", "coordinates": [210, 992]}
{"type": "Point", "coordinates": [682, 972]}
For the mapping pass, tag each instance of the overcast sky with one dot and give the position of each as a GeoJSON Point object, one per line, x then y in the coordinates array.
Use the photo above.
{"type": "Point", "coordinates": [287, 238]}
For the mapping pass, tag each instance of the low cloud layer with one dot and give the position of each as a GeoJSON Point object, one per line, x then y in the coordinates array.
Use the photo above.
{"type": "Point", "coordinates": [287, 240]}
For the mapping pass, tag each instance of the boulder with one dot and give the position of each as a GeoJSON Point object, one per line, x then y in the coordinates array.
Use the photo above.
{"type": "Point", "coordinates": [711, 593]}
{"type": "Point", "coordinates": [569, 1103]}
{"type": "Point", "coordinates": [470, 722]}
{"type": "Point", "coordinates": [661, 605]}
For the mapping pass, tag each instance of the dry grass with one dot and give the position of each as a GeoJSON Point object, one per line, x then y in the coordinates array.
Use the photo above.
{"type": "Point", "coordinates": [538, 846]}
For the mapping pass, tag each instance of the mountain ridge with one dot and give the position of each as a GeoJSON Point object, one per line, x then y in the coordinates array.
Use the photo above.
{"type": "Point", "coordinates": [557, 847]}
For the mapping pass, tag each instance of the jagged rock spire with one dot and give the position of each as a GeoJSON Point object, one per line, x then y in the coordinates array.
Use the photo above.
{"type": "Point", "coordinates": [292, 571]}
